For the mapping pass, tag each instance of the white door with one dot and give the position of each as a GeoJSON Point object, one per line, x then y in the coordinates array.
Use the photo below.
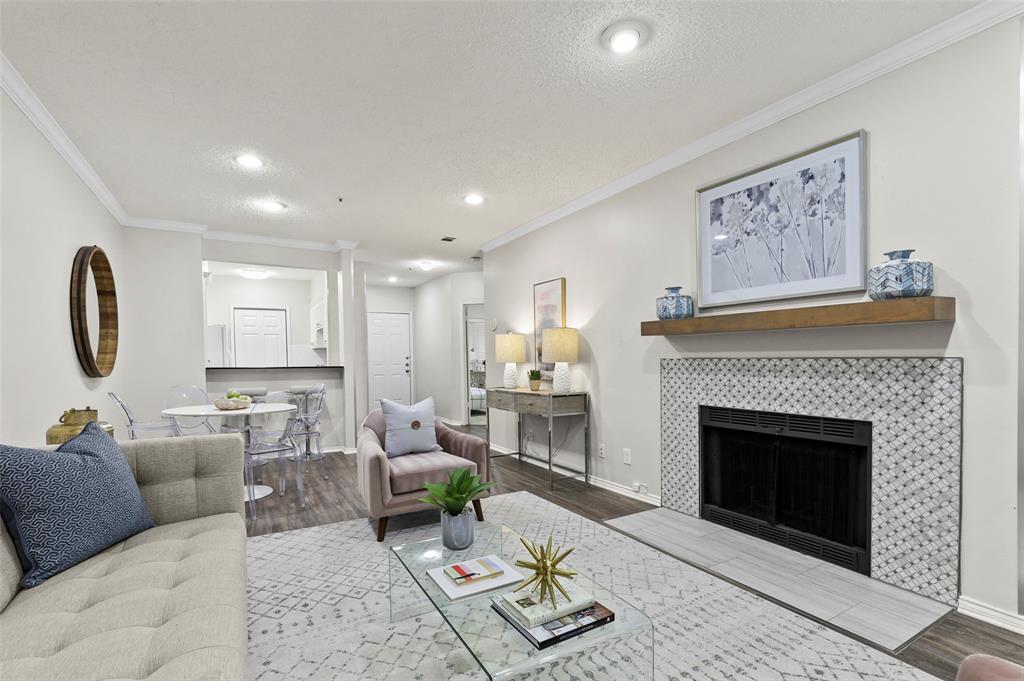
{"type": "Point", "coordinates": [390, 357]}
{"type": "Point", "coordinates": [261, 338]}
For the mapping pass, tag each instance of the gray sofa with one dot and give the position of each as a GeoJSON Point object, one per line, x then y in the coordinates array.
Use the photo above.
{"type": "Point", "coordinates": [165, 605]}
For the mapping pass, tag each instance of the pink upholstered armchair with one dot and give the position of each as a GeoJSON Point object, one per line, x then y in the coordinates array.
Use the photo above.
{"type": "Point", "coordinates": [393, 486]}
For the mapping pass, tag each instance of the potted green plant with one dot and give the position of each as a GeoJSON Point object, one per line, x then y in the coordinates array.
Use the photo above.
{"type": "Point", "coordinates": [452, 498]}
{"type": "Point", "coordinates": [534, 379]}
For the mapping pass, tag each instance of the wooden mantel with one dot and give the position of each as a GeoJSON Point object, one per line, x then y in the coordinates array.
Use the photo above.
{"type": "Point", "coordinates": [895, 311]}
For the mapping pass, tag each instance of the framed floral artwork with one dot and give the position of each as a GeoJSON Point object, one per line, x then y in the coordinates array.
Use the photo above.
{"type": "Point", "coordinates": [548, 312]}
{"type": "Point", "coordinates": [790, 229]}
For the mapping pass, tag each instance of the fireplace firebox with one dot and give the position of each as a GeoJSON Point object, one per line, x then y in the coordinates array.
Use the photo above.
{"type": "Point", "coordinates": [800, 481]}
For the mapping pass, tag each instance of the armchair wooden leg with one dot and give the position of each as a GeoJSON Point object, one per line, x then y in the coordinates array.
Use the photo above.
{"type": "Point", "coordinates": [382, 527]}
{"type": "Point", "coordinates": [479, 510]}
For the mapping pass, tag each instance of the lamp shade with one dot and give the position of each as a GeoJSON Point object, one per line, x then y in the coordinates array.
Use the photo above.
{"type": "Point", "coordinates": [509, 347]}
{"type": "Point", "coordinates": [560, 345]}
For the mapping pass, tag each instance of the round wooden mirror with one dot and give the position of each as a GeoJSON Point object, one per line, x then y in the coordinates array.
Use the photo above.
{"type": "Point", "coordinates": [92, 281]}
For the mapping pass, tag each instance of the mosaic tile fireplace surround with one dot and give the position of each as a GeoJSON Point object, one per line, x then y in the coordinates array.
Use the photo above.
{"type": "Point", "coordinates": [915, 408]}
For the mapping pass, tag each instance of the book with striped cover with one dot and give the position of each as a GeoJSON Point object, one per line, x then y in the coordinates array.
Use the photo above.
{"type": "Point", "coordinates": [474, 570]}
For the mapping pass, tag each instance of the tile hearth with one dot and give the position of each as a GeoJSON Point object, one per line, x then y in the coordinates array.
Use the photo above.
{"type": "Point", "coordinates": [878, 612]}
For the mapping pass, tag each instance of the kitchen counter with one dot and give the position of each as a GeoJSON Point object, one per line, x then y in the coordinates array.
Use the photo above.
{"type": "Point", "coordinates": [322, 366]}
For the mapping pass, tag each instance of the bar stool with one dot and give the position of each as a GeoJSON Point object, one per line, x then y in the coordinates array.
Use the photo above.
{"type": "Point", "coordinates": [310, 401]}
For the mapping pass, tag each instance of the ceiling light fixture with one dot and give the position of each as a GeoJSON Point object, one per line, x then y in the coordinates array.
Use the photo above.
{"type": "Point", "coordinates": [392, 279]}
{"type": "Point", "coordinates": [721, 237]}
{"type": "Point", "coordinates": [473, 199]}
{"type": "Point", "coordinates": [254, 274]}
{"type": "Point", "coordinates": [272, 206]}
{"type": "Point", "coordinates": [425, 265]}
{"type": "Point", "coordinates": [623, 37]}
{"type": "Point", "coordinates": [249, 161]}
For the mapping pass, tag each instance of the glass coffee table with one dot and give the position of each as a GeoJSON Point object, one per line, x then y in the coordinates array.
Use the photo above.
{"type": "Point", "coordinates": [622, 650]}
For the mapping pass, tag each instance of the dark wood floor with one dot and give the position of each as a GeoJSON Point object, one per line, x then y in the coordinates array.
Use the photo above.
{"type": "Point", "coordinates": [937, 651]}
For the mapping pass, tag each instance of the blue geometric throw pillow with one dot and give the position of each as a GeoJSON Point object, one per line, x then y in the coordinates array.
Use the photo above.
{"type": "Point", "coordinates": [62, 507]}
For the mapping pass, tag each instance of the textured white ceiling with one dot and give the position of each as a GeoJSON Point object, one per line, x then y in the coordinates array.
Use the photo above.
{"type": "Point", "coordinates": [403, 108]}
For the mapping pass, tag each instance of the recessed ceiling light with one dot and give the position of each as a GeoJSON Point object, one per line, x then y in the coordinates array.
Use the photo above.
{"type": "Point", "coordinates": [272, 206]}
{"type": "Point", "coordinates": [392, 279]}
{"type": "Point", "coordinates": [254, 274]}
{"type": "Point", "coordinates": [473, 199]}
{"type": "Point", "coordinates": [249, 161]}
{"type": "Point", "coordinates": [623, 37]}
{"type": "Point", "coordinates": [425, 265]}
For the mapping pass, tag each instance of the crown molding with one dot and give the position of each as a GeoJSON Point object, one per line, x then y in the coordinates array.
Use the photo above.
{"type": "Point", "coordinates": [15, 87]}
{"type": "Point", "coordinates": [963, 25]}
{"type": "Point", "coordinates": [280, 242]}
{"type": "Point", "coordinates": [164, 225]}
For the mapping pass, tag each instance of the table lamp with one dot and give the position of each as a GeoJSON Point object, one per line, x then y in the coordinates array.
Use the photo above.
{"type": "Point", "coordinates": [510, 348]}
{"type": "Point", "coordinates": [560, 346]}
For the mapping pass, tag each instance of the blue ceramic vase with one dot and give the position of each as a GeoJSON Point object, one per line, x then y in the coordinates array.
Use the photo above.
{"type": "Point", "coordinates": [901, 277]}
{"type": "Point", "coordinates": [674, 305]}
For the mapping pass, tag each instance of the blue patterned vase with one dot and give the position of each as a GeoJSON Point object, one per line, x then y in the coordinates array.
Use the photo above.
{"type": "Point", "coordinates": [901, 277]}
{"type": "Point", "coordinates": [674, 305]}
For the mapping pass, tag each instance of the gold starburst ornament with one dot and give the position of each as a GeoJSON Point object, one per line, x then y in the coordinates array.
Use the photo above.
{"type": "Point", "coordinates": [545, 570]}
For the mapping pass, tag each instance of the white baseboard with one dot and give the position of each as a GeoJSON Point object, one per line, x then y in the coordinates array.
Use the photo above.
{"type": "Point", "coordinates": [625, 490]}
{"type": "Point", "coordinates": [451, 422]}
{"type": "Point", "coordinates": [991, 614]}
{"type": "Point", "coordinates": [616, 487]}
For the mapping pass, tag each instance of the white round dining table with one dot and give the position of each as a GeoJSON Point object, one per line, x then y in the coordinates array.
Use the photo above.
{"type": "Point", "coordinates": [211, 411]}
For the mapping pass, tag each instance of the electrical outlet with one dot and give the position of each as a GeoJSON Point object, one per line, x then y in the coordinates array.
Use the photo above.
{"type": "Point", "coordinates": [627, 456]}
{"type": "Point", "coordinates": [641, 488]}
{"type": "Point", "coordinates": [600, 451]}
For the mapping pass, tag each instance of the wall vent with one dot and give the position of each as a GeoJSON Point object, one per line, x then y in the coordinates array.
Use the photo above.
{"type": "Point", "coordinates": [794, 425]}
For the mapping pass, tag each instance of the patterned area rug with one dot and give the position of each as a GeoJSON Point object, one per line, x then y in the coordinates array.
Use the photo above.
{"type": "Point", "coordinates": [319, 610]}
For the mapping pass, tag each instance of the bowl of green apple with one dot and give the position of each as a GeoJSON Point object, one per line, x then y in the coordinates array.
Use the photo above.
{"type": "Point", "coordinates": [233, 401]}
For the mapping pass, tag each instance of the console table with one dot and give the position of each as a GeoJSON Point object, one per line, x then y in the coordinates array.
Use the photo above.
{"type": "Point", "coordinates": [549, 405]}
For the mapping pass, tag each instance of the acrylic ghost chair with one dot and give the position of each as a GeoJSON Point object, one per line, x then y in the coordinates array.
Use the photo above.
{"type": "Point", "coordinates": [310, 401]}
{"type": "Point", "coordinates": [165, 427]}
{"type": "Point", "coordinates": [273, 435]}
{"type": "Point", "coordinates": [189, 396]}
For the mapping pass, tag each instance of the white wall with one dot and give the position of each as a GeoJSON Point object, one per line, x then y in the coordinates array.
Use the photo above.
{"type": "Point", "coordinates": [439, 347]}
{"type": "Point", "coordinates": [41, 375]}
{"type": "Point", "coordinates": [390, 299]}
{"type": "Point", "coordinates": [943, 177]}
{"type": "Point", "coordinates": [161, 317]}
{"type": "Point", "coordinates": [48, 214]}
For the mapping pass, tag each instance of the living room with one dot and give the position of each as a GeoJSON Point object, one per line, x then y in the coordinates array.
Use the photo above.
{"type": "Point", "coordinates": [740, 328]}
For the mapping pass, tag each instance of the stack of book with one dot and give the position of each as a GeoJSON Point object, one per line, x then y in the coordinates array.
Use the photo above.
{"type": "Point", "coordinates": [544, 625]}
{"type": "Point", "coordinates": [474, 577]}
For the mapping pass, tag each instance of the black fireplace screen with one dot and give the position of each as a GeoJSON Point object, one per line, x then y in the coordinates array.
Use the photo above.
{"type": "Point", "coordinates": [800, 481]}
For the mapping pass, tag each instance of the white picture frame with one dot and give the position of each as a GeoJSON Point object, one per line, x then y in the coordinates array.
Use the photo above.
{"type": "Point", "coordinates": [790, 229]}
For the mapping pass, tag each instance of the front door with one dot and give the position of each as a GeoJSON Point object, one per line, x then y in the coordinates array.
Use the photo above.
{"type": "Point", "coordinates": [390, 357]}
{"type": "Point", "coordinates": [261, 337]}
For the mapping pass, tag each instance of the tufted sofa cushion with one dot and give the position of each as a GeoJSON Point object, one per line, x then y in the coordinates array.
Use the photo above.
{"type": "Point", "coordinates": [166, 604]}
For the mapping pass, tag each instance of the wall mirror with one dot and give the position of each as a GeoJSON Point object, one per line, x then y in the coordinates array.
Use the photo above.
{"type": "Point", "coordinates": [94, 311]}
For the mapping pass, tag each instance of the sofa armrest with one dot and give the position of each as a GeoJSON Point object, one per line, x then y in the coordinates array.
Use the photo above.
{"type": "Point", "coordinates": [467, 446]}
{"type": "Point", "coordinates": [182, 478]}
{"type": "Point", "coordinates": [373, 473]}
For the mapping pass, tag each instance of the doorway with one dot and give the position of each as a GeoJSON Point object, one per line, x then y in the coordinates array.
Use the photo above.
{"type": "Point", "coordinates": [389, 354]}
{"type": "Point", "coordinates": [261, 337]}
{"type": "Point", "coordinates": [476, 365]}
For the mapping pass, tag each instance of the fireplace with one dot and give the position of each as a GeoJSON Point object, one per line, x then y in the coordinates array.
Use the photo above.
{"type": "Point", "coordinates": [800, 481]}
